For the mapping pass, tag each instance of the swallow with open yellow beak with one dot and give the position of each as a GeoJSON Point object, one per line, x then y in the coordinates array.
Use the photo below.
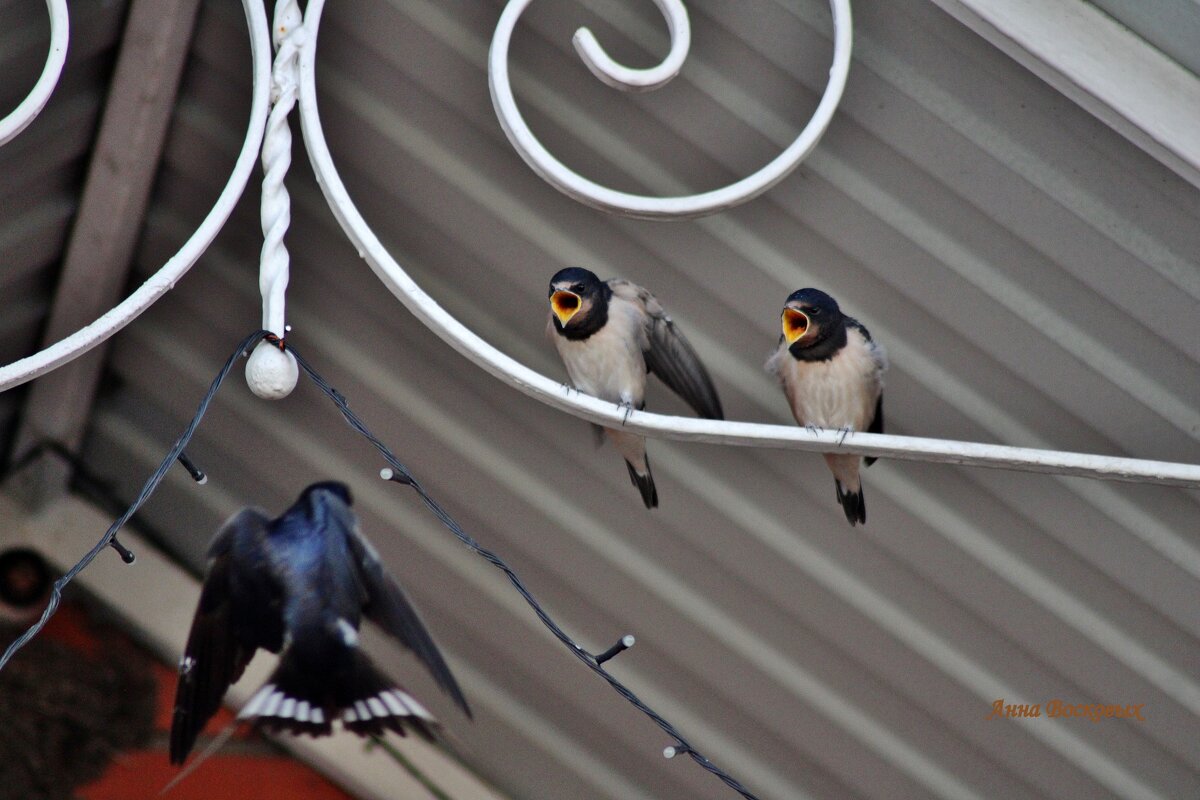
{"type": "Point", "coordinates": [832, 373]}
{"type": "Point", "coordinates": [610, 334]}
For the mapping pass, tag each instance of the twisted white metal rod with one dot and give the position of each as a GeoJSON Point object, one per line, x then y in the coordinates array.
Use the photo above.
{"type": "Point", "coordinates": [272, 373]}
{"type": "Point", "coordinates": [750, 434]}
{"type": "Point", "coordinates": [39, 95]}
{"type": "Point", "coordinates": [593, 194]}
{"type": "Point", "coordinates": [276, 211]}
{"type": "Point", "coordinates": [164, 280]}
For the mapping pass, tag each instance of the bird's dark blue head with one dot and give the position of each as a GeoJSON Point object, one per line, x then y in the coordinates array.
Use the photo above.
{"type": "Point", "coordinates": [336, 488]}
{"type": "Point", "coordinates": [813, 325]}
{"type": "Point", "coordinates": [578, 302]}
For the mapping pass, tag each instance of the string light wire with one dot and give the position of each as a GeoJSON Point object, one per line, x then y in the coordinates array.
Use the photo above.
{"type": "Point", "coordinates": [396, 472]}
{"type": "Point", "coordinates": [399, 473]}
{"type": "Point", "coordinates": [109, 539]}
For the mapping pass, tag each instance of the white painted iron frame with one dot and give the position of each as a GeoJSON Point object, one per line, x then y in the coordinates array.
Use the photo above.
{"type": "Point", "coordinates": [294, 80]}
{"type": "Point", "coordinates": [603, 67]}
{"type": "Point", "coordinates": [164, 280]}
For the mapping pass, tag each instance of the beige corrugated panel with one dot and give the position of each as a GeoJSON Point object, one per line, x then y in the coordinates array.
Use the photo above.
{"type": "Point", "coordinates": [1032, 274]}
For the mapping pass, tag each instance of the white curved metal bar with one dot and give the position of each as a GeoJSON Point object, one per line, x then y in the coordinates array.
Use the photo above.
{"type": "Point", "coordinates": [555, 394]}
{"type": "Point", "coordinates": [593, 194]}
{"type": "Point", "coordinates": [164, 280]}
{"type": "Point", "coordinates": [39, 95]}
{"type": "Point", "coordinates": [619, 76]}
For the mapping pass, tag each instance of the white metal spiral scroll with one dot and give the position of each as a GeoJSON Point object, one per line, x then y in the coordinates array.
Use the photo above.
{"type": "Point", "coordinates": [164, 280]}
{"type": "Point", "coordinates": [555, 394]}
{"type": "Point", "coordinates": [593, 194]}
{"type": "Point", "coordinates": [294, 79]}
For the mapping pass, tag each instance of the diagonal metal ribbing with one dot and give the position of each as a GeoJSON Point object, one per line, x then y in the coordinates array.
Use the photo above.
{"type": "Point", "coordinates": [399, 473]}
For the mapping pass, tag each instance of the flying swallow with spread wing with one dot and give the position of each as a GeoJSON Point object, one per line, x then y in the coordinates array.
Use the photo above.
{"type": "Point", "coordinates": [301, 584]}
{"type": "Point", "coordinates": [832, 373]}
{"type": "Point", "coordinates": [610, 334]}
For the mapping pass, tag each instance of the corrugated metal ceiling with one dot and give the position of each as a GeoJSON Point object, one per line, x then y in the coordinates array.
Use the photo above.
{"type": "Point", "coordinates": [1032, 274]}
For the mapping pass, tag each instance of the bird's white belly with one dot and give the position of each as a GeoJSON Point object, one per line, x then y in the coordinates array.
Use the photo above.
{"type": "Point", "coordinates": [606, 365]}
{"type": "Point", "coordinates": [838, 393]}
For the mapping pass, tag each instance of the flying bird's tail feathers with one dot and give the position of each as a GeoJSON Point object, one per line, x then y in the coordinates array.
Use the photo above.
{"type": "Point", "coordinates": [853, 503]}
{"type": "Point", "coordinates": [645, 484]}
{"type": "Point", "coordinates": [307, 701]}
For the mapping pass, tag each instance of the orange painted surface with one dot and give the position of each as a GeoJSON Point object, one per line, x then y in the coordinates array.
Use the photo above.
{"type": "Point", "coordinates": [164, 679]}
{"type": "Point", "coordinates": [261, 774]}
{"type": "Point", "coordinates": [69, 625]}
{"type": "Point", "coordinates": [228, 777]}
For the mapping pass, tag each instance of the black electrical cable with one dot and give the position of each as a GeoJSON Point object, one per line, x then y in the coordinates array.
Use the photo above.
{"type": "Point", "coordinates": [399, 474]}
{"type": "Point", "coordinates": [402, 475]}
{"type": "Point", "coordinates": [109, 539]}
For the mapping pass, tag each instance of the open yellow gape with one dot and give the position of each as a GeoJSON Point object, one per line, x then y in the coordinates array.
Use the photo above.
{"type": "Point", "coordinates": [565, 305]}
{"type": "Point", "coordinates": [795, 325]}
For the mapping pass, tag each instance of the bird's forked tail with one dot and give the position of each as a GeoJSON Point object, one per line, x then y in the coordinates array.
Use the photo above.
{"type": "Point", "coordinates": [853, 503]}
{"type": "Point", "coordinates": [645, 484]}
{"type": "Point", "coordinates": [306, 700]}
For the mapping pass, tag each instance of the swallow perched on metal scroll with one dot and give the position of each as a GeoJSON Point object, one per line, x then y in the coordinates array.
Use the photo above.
{"type": "Point", "coordinates": [610, 334]}
{"type": "Point", "coordinates": [832, 373]}
{"type": "Point", "coordinates": [301, 584]}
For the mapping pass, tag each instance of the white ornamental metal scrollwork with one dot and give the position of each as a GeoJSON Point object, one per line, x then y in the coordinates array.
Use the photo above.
{"type": "Point", "coordinates": [168, 275]}
{"type": "Point", "coordinates": [747, 434]}
{"type": "Point", "coordinates": [571, 183]}
{"type": "Point", "coordinates": [272, 370]}
{"type": "Point", "coordinates": [298, 43]}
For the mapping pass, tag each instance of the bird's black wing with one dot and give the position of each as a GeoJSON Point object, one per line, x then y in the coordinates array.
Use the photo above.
{"type": "Point", "coordinates": [670, 356]}
{"type": "Point", "coordinates": [390, 608]}
{"type": "Point", "coordinates": [237, 614]}
{"type": "Point", "coordinates": [876, 426]}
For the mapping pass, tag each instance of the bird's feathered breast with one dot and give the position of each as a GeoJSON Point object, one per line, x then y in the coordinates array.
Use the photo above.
{"type": "Point", "coordinates": [840, 391]}
{"type": "Point", "coordinates": [609, 363]}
